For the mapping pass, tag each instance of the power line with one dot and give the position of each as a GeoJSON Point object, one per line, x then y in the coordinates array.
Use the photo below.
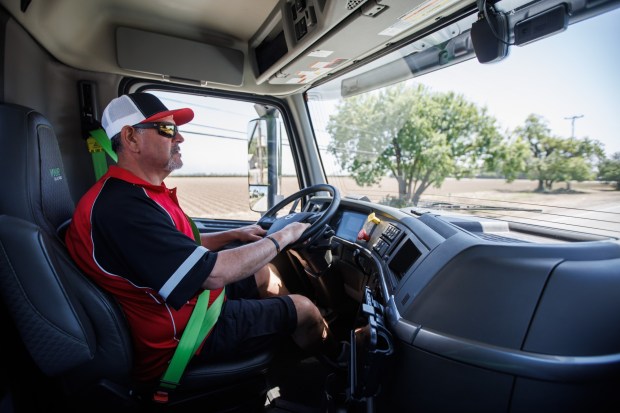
{"type": "Point", "coordinates": [232, 138]}
{"type": "Point", "coordinates": [213, 135]}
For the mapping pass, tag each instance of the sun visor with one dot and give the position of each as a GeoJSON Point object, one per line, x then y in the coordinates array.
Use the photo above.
{"type": "Point", "coordinates": [178, 58]}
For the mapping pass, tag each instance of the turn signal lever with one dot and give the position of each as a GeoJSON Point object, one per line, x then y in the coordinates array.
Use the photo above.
{"type": "Point", "coordinates": [323, 242]}
{"type": "Point", "coordinates": [316, 254]}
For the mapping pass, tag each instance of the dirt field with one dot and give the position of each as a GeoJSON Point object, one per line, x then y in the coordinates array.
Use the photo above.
{"type": "Point", "coordinates": [589, 206]}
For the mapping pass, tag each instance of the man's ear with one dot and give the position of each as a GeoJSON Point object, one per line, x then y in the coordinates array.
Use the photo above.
{"type": "Point", "coordinates": [129, 138]}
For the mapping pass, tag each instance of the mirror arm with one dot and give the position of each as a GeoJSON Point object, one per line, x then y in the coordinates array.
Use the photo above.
{"type": "Point", "coordinates": [272, 156]}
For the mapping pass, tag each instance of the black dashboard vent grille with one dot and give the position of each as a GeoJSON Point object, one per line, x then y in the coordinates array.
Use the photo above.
{"type": "Point", "coordinates": [498, 238]}
{"type": "Point", "coordinates": [352, 4]}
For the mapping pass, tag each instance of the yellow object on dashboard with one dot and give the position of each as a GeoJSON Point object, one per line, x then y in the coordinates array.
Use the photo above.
{"type": "Point", "coordinates": [373, 218]}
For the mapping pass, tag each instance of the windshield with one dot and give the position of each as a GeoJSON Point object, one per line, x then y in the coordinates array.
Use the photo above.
{"type": "Point", "coordinates": [532, 138]}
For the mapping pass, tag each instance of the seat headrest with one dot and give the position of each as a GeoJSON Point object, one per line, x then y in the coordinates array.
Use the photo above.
{"type": "Point", "coordinates": [32, 175]}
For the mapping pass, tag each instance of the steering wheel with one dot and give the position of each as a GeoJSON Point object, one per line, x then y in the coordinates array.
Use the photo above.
{"type": "Point", "coordinates": [317, 220]}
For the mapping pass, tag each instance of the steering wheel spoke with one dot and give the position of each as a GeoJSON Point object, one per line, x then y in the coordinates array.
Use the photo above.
{"type": "Point", "coordinates": [313, 217]}
{"type": "Point", "coordinates": [294, 207]}
{"type": "Point", "coordinates": [266, 222]}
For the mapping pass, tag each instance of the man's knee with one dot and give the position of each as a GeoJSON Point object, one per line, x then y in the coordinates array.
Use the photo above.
{"type": "Point", "coordinates": [307, 312]}
{"type": "Point", "coordinates": [312, 330]}
{"type": "Point", "coordinates": [262, 277]}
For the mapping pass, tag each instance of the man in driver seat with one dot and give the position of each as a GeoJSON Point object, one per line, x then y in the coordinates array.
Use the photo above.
{"type": "Point", "coordinates": [130, 235]}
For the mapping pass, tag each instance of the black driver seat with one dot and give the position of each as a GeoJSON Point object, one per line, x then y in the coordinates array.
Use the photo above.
{"type": "Point", "coordinates": [74, 333]}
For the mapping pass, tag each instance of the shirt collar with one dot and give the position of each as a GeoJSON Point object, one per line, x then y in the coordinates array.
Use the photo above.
{"type": "Point", "coordinates": [115, 171]}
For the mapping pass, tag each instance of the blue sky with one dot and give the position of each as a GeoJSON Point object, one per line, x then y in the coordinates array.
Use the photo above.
{"type": "Point", "coordinates": [578, 75]}
{"type": "Point", "coordinates": [577, 72]}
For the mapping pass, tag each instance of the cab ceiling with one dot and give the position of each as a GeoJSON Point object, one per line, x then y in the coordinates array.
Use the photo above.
{"type": "Point", "coordinates": [81, 33]}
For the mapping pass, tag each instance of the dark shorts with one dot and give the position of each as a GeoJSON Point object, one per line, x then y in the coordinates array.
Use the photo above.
{"type": "Point", "coordinates": [248, 324]}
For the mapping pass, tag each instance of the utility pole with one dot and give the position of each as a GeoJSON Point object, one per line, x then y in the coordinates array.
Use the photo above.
{"type": "Point", "coordinates": [573, 119]}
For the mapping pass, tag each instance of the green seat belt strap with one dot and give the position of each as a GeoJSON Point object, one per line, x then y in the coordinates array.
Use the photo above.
{"type": "Point", "coordinates": [200, 323]}
{"type": "Point", "coordinates": [98, 143]}
{"type": "Point", "coordinates": [195, 230]}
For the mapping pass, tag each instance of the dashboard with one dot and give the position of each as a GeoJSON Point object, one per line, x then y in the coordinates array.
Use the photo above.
{"type": "Point", "coordinates": [470, 297]}
{"type": "Point", "coordinates": [349, 225]}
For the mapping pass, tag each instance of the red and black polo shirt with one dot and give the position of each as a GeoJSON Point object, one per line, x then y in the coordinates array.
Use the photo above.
{"type": "Point", "coordinates": [135, 242]}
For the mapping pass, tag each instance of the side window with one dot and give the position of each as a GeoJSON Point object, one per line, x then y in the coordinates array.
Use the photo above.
{"type": "Point", "coordinates": [216, 180]}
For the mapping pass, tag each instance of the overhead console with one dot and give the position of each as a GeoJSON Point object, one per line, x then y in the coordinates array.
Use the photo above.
{"type": "Point", "coordinates": [297, 44]}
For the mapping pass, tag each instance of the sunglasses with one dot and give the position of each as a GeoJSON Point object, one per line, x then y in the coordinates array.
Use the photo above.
{"type": "Point", "coordinates": [168, 130]}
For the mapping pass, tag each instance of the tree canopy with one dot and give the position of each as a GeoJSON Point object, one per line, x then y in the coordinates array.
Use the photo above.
{"type": "Point", "coordinates": [554, 159]}
{"type": "Point", "coordinates": [417, 136]}
{"type": "Point", "coordinates": [421, 137]}
{"type": "Point", "coordinates": [609, 170]}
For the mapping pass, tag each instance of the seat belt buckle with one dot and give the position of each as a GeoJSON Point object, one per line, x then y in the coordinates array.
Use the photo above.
{"type": "Point", "coordinates": [161, 396]}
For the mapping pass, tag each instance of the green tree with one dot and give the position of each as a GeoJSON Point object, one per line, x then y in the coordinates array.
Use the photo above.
{"type": "Point", "coordinates": [412, 134]}
{"type": "Point", "coordinates": [542, 147]}
{"type": "Point", "coordinates": [609, 170]}
{"type": "Point", "coordinates": [509, 158]}
{"type": "Point", "coordinates": [554, 159]}
{"type": "Point", "coordinates": [575, 160]}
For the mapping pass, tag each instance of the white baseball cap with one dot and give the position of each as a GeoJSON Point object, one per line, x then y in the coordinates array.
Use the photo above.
{"type": "Point", "coordinates": [137, 108]}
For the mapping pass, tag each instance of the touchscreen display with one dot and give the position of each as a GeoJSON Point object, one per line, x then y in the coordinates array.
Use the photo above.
{"type": "Point", "coordinates": [350, 225]}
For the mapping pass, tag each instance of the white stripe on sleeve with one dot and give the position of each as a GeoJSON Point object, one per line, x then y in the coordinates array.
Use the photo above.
{"type": "Point", "coordinates": [180, 273]}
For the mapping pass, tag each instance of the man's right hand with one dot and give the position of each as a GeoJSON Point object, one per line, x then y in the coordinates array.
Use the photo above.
{"type": "Point", "coordinates": [293, 231]}
{"type": "Point", "coordinates": [237, 263]}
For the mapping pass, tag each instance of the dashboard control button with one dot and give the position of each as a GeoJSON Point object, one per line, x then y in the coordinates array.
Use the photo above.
{"type": "Point", "coordinates": [363, 235]}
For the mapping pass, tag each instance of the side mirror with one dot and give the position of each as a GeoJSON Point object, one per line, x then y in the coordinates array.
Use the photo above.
{"type": "Point", "coordinates": [264, 159]}
{"type": "Point", "coordinates": [258, 197]}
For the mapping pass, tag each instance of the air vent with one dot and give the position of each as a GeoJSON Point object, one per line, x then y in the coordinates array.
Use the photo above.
{"type": "Point", "coordinates": [353, 4]}
{"type": "Point", "coordinates": [498, 238]}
